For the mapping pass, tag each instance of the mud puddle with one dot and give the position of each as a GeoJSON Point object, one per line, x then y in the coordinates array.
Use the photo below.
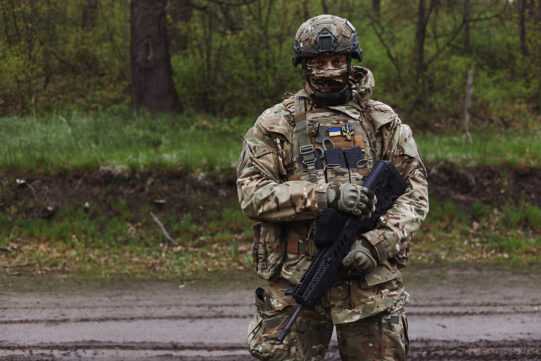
{"type": "Point", "coordinates": [455, 313]}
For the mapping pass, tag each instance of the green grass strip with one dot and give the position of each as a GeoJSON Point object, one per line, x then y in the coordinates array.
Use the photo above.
{"type": "Point", "coordinates": [47, 144]}
{"type": "Point", "coordinates": [486, 149]}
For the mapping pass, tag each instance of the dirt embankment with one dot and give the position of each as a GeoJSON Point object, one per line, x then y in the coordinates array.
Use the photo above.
{"type": "Point", "coordinates": [39, 196]}
{"type": "Point", "coordinates": [485, 184]}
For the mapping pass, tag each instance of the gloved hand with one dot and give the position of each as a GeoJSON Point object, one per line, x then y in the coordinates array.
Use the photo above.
{"type": "Point", "coordinates": [352, 198]}
{"type": "Point", "coordinates": [360, 259]}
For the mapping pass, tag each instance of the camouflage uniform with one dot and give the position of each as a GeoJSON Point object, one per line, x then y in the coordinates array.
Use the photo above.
{"type": "Point", "coordinates": [274, 189]}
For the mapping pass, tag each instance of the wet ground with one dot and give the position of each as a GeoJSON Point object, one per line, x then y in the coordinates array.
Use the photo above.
{"type": "Point", "coordinates": [455, 313]}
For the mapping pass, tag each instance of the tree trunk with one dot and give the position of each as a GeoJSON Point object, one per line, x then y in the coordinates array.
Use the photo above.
{"type": "Point", "coordinates": [324, 7]}
{"type": "Point", "coordinates": [180, 12]}
{"type": "Point", "coordinates": [87, 54]}
{"type": "Point", "coordinates": [376, 8]}
{"type": "Point", "coordinates": [522, 27]}
{"type": "Point", "coordinates": [152, 81]}
{"type": "Point", "coordinates": [90, 15]}
{"type": "Point", "coordinates": [420, 35]}
{"type": "Point", "coordinates": [467, 46]}
{"type": "Point", "coordinates": [305, 6]}
{"type": "Point", "coordinates": [467, 103]}
{"type": "Point", "coordinates": [52, 16]}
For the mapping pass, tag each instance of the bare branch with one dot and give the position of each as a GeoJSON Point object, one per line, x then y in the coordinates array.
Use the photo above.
{"type": "Point", "coordinates": [497, 15]}
{"type": "Point", "coordinates": [433, 5]}
{"type": "Point", "coordinates": [379, 31]}
{"type": "Point", "coordinates": [441, 49]}
{"type": "Point", "coordinates": [19, 266]}
{"type": "Point", "coordinates": [164, 231]}
{"type": "Point", "coordinates": [448, 43]}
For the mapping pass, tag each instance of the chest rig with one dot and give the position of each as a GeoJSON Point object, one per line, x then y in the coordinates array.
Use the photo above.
{"type": "Point", "coordinates": [331, 146]}
{"type": "Point", "coordinates": [328, 146]}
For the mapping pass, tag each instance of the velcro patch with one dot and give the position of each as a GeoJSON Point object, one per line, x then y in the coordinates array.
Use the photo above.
{"type": "Point", "coordinates": [333, 132]}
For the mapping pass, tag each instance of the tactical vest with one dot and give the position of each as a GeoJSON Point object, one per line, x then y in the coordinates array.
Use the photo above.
{"type": "Point", "coordinates": [329, 146]}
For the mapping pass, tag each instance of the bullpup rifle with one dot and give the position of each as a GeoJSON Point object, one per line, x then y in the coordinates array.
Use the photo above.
{"type": "Point", "coordinates": [335, 232]}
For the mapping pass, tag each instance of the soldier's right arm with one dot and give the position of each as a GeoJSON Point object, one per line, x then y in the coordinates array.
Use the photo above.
{"type": "Point", "coordinates": [264, 194]}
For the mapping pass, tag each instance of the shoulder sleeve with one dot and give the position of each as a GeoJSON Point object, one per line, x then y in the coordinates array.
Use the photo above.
{"type": "Point", "coordinates": [400, 222]}
{"type": "Point", "coordinates": [263, 191]}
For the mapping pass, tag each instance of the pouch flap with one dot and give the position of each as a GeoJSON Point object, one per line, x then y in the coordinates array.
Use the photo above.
{"type": "Point", "coordinates": [259, 151]}
{"type": "Point", "coordinates": [383, 273]}
{"type": "Point", "coordinates": [256, 228]}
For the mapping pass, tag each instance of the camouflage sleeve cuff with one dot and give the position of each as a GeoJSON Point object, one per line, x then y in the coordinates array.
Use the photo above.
{"type": "Point", "coordinates": [321, 196]}
{"type": "Point", "coordinates": [376, 245]}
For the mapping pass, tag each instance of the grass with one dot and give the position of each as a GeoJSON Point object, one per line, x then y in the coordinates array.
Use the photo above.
{"type": "Point", "coordinates": [52, 143]}
{"type": "Point", "coordinates": [210, 240]}
{"type": "Point", "coordinates": [481, 233]}
{"type": "Point", "coordinates": [123, 139]}
{"type": "Point", "coordinates": [487, 148]}
{"type": "Point", "coordinates": [118, 241]}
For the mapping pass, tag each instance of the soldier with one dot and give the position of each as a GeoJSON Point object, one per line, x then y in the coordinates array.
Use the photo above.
{"type": "Point", "coordinates": [285, 185]}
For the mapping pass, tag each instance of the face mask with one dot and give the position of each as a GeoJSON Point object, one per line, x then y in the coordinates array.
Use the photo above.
{"type": "Point", "coordinates": [327, 80]}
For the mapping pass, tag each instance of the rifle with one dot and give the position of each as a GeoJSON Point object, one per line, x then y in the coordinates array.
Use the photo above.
{"type": "Point", "coordinates": [387, 185]}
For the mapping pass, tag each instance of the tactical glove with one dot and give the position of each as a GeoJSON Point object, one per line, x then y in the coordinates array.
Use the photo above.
{"type": "Point", "coordinates": [352, 198]}
{"type": "Point", "coordinates": [360, 259]}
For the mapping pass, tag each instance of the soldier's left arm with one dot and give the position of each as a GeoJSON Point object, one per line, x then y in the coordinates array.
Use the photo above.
{"type": "Point", "coordinates": [409, 210]}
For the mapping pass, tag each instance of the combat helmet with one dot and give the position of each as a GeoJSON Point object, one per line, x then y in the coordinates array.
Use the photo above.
{"type": "Point", "coordinates": [326, 35]}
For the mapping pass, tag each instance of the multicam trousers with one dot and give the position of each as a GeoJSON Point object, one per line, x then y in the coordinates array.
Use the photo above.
{"type": "Point", "coordinates": [382, 336]}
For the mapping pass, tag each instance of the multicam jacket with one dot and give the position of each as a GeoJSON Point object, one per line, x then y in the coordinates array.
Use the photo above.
{"type": "Point", "coordinates": [274, 189]}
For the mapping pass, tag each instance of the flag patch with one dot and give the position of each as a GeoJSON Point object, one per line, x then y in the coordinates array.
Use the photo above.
{"type": "Point", "coordinates": [333, 132]}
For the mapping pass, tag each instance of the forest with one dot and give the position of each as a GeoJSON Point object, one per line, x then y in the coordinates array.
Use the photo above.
{"type": "Point", "coordinates": [232, 58]}
{"type": "Point", "coordinates": [121, 124]}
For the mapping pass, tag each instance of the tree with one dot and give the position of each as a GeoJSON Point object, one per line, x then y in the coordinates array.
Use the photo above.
{"type": "Point", "coordinates": [152, 81]}
{"type": "Point", "coordinates": [467, 45]}
{"type": "Point", "coordinates": [89, 15]}
{"type": "Point", "coordinates": [376, 8]}
{"type": "Point", "coordinates": [420, 36]}
{"type": "Point", "coordinates": [522, 27]}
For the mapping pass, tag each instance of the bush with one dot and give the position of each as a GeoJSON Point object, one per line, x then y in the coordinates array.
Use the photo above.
{"type": "Point", "coordinates": [480, 211]}
{"type": "Point", "coordinates": [533, 217]}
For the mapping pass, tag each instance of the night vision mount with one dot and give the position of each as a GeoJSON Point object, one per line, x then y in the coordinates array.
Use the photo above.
{"type": "Point", "coordinates": [325, 41]}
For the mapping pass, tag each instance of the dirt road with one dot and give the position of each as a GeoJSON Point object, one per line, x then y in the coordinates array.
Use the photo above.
{"type": "Point", "coordinates": [455, 313]}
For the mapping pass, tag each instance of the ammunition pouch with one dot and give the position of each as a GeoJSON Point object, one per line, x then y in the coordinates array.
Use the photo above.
{"type": "Point", "coordinates": [265, 252]}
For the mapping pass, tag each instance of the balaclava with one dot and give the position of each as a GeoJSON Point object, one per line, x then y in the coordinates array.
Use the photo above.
{"type": "Point", "coordinates": [327, 86]}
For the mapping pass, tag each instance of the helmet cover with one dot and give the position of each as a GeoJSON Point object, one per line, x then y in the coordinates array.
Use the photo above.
{"type": "Point", "coordinates": [325, 34]}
